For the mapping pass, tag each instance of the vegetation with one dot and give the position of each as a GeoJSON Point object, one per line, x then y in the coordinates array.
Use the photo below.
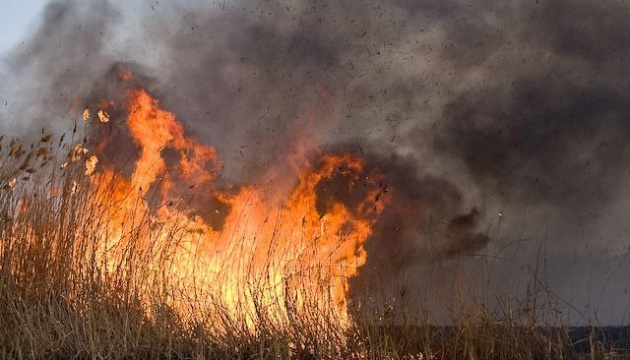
{"type": "Point", "coordinates": [61, 297]}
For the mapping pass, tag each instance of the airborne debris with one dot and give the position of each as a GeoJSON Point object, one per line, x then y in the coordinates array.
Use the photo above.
{"type": "Point", "coordinates": [11, 183]}
{"type": "Point", "coordinates": [74, 187]}
{"type": "Point", "coordinates": [103, 116]}
{"type": "Point", "coordinates": [77, 153]}
{"type": "Point", "coordinates": [90, 165]}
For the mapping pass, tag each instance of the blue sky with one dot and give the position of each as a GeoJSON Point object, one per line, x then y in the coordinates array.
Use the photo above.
{"type": "Point", "coordinates": [17, 19]}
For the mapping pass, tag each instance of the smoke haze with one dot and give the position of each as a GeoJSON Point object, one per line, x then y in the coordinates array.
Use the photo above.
{"type": "Point", "coordinates": [496, 123]}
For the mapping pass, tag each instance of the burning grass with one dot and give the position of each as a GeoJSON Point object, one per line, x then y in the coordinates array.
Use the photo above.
{"type": "Point", "coordinates": [100, 262]}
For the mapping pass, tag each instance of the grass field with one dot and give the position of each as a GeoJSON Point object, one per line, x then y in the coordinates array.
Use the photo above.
{"type": "Point", "coordinates": [66, 292]}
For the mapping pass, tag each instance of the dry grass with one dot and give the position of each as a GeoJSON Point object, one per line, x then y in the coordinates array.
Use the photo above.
{"type": "Point", "coordinates": [58, 300]}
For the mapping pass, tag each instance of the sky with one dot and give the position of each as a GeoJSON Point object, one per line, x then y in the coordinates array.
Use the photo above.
{"type": "Point", "coordinates": [475, 108]}
{"type": "Point", "coordinates": [17, 20]}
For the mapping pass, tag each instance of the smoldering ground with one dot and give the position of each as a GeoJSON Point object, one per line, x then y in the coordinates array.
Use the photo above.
{"type": "Point", "coordinates": [471, 108]}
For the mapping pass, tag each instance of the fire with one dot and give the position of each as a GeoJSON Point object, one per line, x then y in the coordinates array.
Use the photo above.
{"type": "Point", "coordinates": [251, 252]}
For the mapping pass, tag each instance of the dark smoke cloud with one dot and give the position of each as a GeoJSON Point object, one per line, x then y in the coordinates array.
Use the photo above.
{"type": "Point", "coordinates": [425, 219]}
{"type": "Point", "coordinates": [469, 107]}
{"type": "Point", "coordinates": [554, 128]}
{"type": "Point", "coordinates": [61, 62]}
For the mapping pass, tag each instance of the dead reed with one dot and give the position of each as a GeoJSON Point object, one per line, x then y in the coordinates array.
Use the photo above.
{"type": "Point", "coordinates": [65, 293]}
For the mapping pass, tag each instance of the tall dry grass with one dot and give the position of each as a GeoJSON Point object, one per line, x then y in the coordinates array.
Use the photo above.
{"type": "Point", "coordinates": [61, 297]}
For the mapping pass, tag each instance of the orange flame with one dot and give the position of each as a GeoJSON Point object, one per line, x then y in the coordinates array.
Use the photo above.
{"type": "Point", "coordinates": [299, 251]}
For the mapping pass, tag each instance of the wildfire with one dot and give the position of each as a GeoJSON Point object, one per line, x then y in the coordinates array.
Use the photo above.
{"type": "Point", "coordinates": [242, 248]}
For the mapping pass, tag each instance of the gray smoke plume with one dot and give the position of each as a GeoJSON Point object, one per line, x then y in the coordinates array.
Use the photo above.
{"type": "Point", "coordinates": [471, 108]}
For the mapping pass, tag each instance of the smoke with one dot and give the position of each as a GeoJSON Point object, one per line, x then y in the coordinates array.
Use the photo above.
{"type": "Point", "coordinates": [550, 123]}
{"type": "Point", "coordinates": [469, 107]}
{"type": "Point", "coordinates": [61, 62]}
